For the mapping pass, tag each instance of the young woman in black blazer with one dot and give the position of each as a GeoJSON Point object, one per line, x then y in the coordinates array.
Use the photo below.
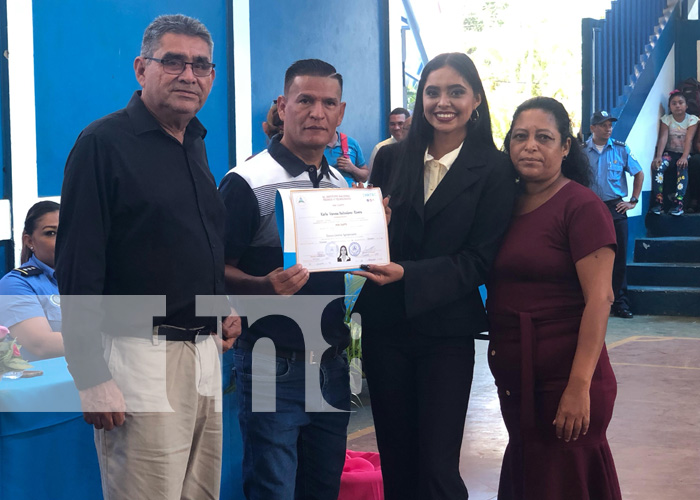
{"type": "Point", "coordinates": [452, 197]}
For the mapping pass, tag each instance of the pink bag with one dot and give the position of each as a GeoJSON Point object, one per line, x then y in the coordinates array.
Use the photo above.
{"type": "Point", "coordinates": [362, 477]}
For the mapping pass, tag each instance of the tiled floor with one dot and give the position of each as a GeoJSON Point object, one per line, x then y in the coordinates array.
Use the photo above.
{"type": "Point", "coordinates": [655, 431]}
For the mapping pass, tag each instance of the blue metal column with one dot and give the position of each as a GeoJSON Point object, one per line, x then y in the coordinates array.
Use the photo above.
{"type": "Point", "coordinates": [606, 54]}
{"type": "Point", "coordinates": [590, 65]}
{"type": "Point", "coordinates": [687, 36]}
{"type": "Point", "coordinates": [415, 29]}
{"type": "Point", "coordinates": [612, 57]}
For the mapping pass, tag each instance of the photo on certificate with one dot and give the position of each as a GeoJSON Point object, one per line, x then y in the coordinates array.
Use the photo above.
{"type": "Point", "coordinates": [332, 229]}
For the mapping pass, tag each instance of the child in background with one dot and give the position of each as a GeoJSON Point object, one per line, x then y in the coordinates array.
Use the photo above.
{"type": "Point", "coordinates": [672, 152]}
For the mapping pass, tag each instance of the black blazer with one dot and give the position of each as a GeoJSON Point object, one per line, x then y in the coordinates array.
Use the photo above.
{"type": "Point", "coordinates": [447, 247]}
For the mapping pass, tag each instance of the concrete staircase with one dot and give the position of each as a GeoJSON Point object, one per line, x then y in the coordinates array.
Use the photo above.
{"type": "Point", "coordinates": [644, 58]}
{"type": "Point", "coordinates": [664, 278]}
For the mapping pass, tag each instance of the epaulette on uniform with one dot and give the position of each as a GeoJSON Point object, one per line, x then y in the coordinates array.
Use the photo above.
{"type": "Point", "coordinates": [28, 271]}
{"type": "Point", "coordinates": [619, 143]}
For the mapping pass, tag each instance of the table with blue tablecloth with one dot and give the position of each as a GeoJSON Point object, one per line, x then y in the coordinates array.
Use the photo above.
{"type": "Point", "coordinates": [47, 450]}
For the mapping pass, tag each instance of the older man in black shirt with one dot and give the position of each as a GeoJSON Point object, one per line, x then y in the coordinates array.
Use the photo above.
{"type": "Point", "coordinates": [141, 217]}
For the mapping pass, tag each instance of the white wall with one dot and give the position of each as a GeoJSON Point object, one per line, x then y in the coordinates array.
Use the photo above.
{"type": "Point", "coordinates": [20, 42]}
{"type": "Point", "coordinates": [242, 79]}
{"type": "Point", "coordinates": [396, 10]}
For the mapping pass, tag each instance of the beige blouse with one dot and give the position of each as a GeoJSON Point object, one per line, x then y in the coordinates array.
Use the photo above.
{"type": "Point", "coordinates": [435, 170]}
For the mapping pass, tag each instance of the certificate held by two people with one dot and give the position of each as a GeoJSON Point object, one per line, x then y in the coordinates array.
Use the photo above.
{"type": "Point", "coordinates": [332, 229]}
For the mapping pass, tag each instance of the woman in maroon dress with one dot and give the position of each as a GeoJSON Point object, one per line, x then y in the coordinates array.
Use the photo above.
{"type": "Point", "coordinates": [549, 299]}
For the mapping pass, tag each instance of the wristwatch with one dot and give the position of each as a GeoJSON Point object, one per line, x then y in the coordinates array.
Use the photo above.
{"type": "Point", "coordinates": [633, 199]}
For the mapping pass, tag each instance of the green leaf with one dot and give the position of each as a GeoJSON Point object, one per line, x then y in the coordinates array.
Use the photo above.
{"type": "Point", "coordinates": [17, 364]}
{"type": "Point", "coordinates": [8, 361]}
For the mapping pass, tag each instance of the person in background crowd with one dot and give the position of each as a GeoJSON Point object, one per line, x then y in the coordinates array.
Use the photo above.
{"type": "Point", "coordinates": [273, 125]}
{"type": "Point", "coordinates": [289, 453]}
{"type": "Point", "coordinates": [397, 119]}
{"type": "Point", "coordinates": [609, 160]}
{"type": "Point", "coordinates": [381, 177]}
{"type": "Point", "coordinates": [676, 132]}
{"type": "Point", "coordinates": [33, 313]}
{"type": "Point", "coordinates": [344, 153]}
{"type": "Point", "coordinates": [451, 205]}
{"type": "Point", "coordinates": [549, 298]}
{"type": "Point", "coordinates": [141, 216]}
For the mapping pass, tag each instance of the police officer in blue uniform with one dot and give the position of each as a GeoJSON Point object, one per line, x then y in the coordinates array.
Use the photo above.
{"type": "Point", "coordinates": [31, 306]}
{"type": "Point", "coordinates": [609, 160]}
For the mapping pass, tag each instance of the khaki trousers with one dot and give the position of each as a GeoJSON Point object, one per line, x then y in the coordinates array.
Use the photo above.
{"type": "Point", "coordinates": [169, 447]}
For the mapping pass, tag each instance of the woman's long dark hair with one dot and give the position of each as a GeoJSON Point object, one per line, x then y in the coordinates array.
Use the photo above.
{"type": "Point", "coordinates": [408, 171]}
{"type": "Point", "coordinates": [35, 213]}
{"type": "Point", "coordinates": [575, 166]}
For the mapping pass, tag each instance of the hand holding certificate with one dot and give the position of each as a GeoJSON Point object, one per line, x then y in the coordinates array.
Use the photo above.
{"type": "Point", "coordinates": [381, 275]}
{"type": "Point", "coordinates": [332, 229]}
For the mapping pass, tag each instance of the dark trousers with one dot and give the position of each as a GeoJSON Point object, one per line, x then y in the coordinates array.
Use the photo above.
{"type": "Point", "coordinates": [419, 388]}
{"type": "Point", "coordinates": [669, 178]}
{"type": "Point", "coordinates": [619, 277]}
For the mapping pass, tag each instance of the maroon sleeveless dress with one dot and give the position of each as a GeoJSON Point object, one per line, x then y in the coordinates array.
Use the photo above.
{"type": "Point", "coordinates": [535, 304]}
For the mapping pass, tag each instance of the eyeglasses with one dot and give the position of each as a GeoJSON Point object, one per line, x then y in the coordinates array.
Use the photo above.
{"type": "Point", "coordinates": [177, 66]}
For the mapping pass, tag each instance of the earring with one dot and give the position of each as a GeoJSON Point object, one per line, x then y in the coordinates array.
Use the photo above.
{"type": "Point", "coordinates": [474, 118]}
{"type": "Point", "coordinates": [31, 248]}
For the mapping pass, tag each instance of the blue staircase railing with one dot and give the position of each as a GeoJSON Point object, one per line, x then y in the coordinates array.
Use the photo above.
{"type": "Point", "coordinates": [415, 28]}
{"type": "Point", "coordinates": [615, 50]}
{"type": "Point", "coordinates": [411, 75]}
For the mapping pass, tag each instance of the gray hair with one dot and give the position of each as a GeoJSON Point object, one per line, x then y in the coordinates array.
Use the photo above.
{"type": "Point", "coordinates": [177, 24]}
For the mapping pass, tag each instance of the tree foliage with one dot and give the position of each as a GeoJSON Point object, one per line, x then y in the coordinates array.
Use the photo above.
{"type": "Point", "coordinates": [488, 16]}
{"type": "Point", "coordinates": [520, 53]}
